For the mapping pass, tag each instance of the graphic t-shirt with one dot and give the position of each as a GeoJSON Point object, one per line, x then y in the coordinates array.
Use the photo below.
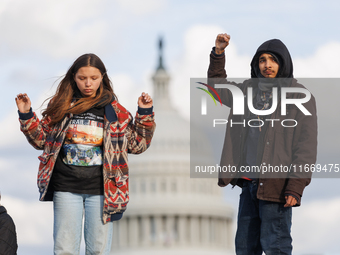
{"type": "Point", "coordinates": [84, 138]}
{"type": "Point", "coordinates": [79, 165]}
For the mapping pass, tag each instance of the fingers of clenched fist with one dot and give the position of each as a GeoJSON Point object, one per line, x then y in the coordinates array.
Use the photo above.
{"type": "Point", "coordinates": [223, 38]}
{"type": "Point", "coordinates": [23, 102]}
{"type": "Point", "coordinates": [145, 101]}
{"type": "Point", "coordinates": [222, 41]}
{"type": "Point", "coordinates": [290, 201]}
{"type": "Point", "coordinates": [22, 97]}
{"type": "Point", "coordinates": [146, 98]}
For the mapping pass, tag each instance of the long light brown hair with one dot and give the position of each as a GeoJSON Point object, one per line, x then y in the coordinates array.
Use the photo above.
{"type": "Point", "coordinates": [60, 103]}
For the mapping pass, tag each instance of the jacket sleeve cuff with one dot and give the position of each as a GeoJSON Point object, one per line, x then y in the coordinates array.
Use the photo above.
{"type": "Point", "coordinates": [215, 54]}
{"type": "Point", "coordinates": [116, 216]}
{"type": "Point", "coordinates": [145, 111]}
{"type": "Point", "coordinates": [293, 194]}
{"type": "Point", "coordinates": [26, 116]}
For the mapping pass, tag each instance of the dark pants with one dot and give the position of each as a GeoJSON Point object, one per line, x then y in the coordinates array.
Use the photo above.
{"type": "Point", "coordinates": [262, 226]}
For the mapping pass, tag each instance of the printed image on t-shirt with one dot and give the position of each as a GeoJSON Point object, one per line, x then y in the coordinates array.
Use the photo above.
{"type": "Point", "coordinates": [84, 139]}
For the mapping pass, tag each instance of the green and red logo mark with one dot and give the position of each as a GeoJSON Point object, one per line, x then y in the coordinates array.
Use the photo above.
{"type": "Point", "coordinates": [212, 89]}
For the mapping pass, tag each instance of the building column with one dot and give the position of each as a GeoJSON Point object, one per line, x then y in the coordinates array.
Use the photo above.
{"type": "Point", "coordinates": [194, 230]}
{"type": "Point", "coordinates": [123, 232]}
{"type": "Point", "coordinates": [182, 230]}
{"type": "Point", "coordinates": [133, 231]}
{"type": "Point", "coordinates": [169, 230]}
{"type": "Point", "coordinates": [115, 236]}
{"type": "Point", "coordinates": [213, 224]}
{"type": "Point", "coordinates": [146, 230]}
{"type": "Point", "coordinates": [205, 231]}
{"type": "Point", "coordinates": [158, 231]}
{"type": "Point", "coordinates": [221, 232]}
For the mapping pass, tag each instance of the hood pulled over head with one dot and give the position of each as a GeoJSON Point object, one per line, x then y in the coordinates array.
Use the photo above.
{"type": "Point", "coordinates": [280, 50]}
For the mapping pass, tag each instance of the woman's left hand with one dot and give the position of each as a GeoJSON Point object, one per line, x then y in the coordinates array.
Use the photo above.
{"type": "Point", "coordinates": [145, 101]}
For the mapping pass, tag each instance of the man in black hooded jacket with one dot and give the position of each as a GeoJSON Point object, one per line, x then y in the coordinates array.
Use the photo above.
{"type": "Point", "coordinates": [266, 201]}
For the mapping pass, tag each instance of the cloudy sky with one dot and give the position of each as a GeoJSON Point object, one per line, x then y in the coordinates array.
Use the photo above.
{"type": "Point", "coordinates": [40, 40]}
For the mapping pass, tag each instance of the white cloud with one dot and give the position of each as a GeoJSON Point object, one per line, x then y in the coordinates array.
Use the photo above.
{"type": "Point", "coordinates": [323, 63]}
{"type": "Point", "coordinates": [10, 134]}
{"type": "Point", "coordinates": [127, 91]}
{"type": "Point", "coordinates": [33, 220]}
{"type": "Point", "coordinates": [4, 165]}
{"type": "Point", "coordinates": [197, 43]}
{"type": "Point", "coordinates": [68, 28]}
{"type": "Point", "coordinates": [316, 226]}
{"type": "Point", "coordinates": [4, 5]}
{"type": "Point", "coordinates": [59, 29]}
{"type": "Point", "coordinates": [194, 62]}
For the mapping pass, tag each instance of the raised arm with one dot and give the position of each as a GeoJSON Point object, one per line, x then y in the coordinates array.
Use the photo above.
{"type": "Point", "coordinates": [217, 57]}
{"type": "Point", "coordinates": [216, 72]}
{"type": "Point", "coordinates": [34, 129]}
{"type": "Point", "coordinates": [141, 132]}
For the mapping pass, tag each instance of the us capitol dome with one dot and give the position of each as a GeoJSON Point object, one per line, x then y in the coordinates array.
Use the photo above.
{"type": "Point", "coordinates": [169, 212]}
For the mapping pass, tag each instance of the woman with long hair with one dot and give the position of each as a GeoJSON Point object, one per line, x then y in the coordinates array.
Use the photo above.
{"type": "Point", "coordinates": [85, 135]}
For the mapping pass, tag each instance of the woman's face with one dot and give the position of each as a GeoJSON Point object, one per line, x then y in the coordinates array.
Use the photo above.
{"type": "Point", "coordinates": [88, 80]}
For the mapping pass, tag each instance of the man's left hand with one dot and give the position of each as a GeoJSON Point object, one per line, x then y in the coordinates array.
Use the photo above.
{"type": "Point", "coordinates": [290, 201]}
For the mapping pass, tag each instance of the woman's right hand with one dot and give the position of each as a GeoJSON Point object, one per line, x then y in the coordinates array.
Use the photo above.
{"type": "Point", "coordinates": [23, 103]}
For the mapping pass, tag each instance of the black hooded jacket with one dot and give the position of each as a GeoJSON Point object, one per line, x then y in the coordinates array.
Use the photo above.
{"type": "Point", "coordinates": [8, 237]}
{"type": "Point", "coordinates": [280, 50]}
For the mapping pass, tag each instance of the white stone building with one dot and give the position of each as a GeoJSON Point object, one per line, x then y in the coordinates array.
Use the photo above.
{"type": "Point", "coordinates": [169, 212]}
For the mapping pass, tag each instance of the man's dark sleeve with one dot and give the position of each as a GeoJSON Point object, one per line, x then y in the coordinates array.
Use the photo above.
{"type": "Point", "coordinates": [217, 65]}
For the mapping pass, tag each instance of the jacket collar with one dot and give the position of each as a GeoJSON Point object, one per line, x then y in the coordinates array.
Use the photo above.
{"type": "Point", "coordinates": [110, 113]}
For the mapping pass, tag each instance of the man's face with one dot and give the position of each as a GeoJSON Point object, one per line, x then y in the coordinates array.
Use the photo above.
{"type": "Point", "coordinates": [268, 65]}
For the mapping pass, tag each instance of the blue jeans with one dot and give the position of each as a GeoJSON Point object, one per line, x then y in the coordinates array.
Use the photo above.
{"type": "Point", "coordinates": [68, 218]}
{"type": "Point", "coordinates": [262, 226]}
